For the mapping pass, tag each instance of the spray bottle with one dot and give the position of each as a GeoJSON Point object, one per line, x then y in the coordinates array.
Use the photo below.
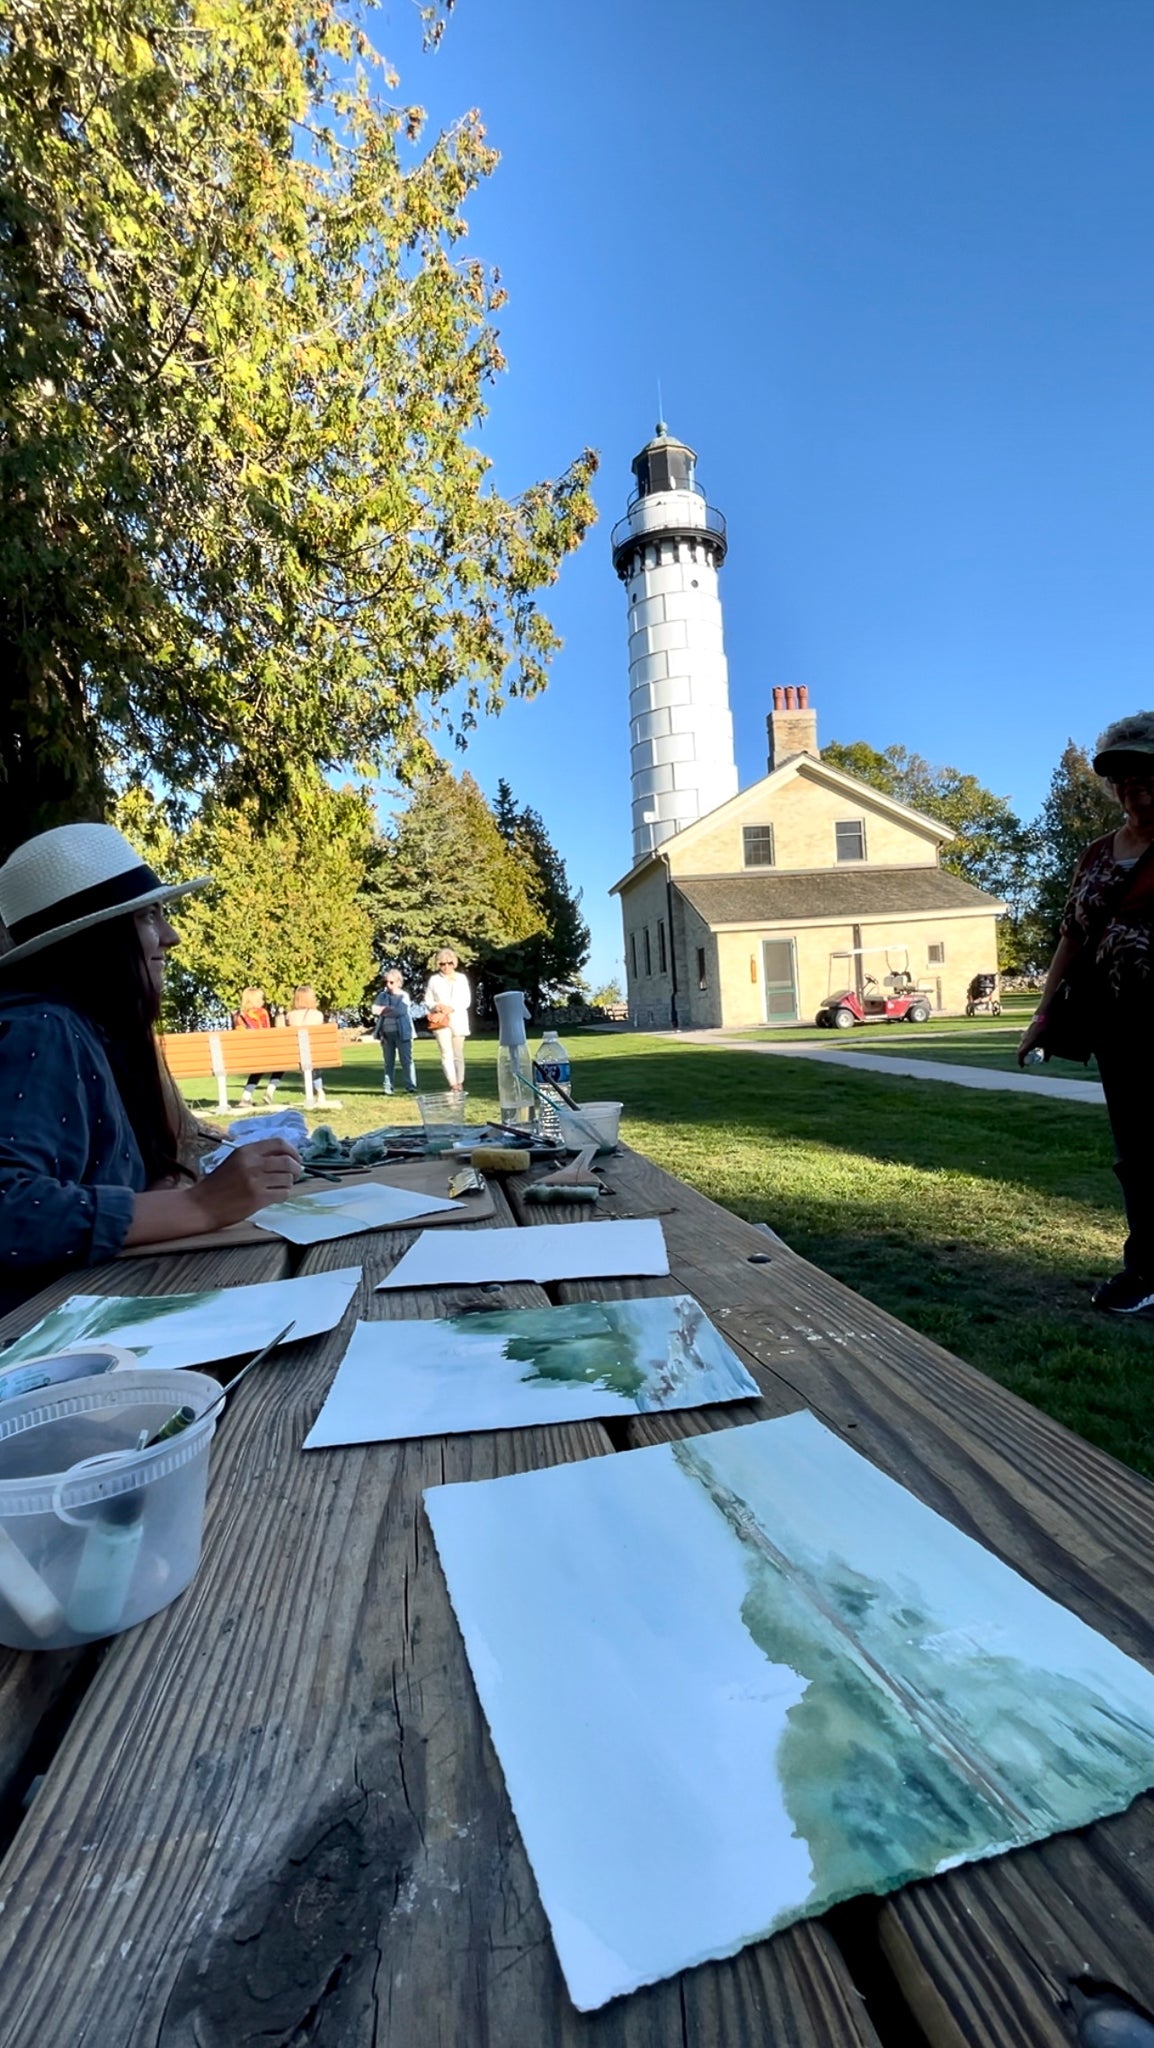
{"type": "Point", "coordinates": [514, 1069]}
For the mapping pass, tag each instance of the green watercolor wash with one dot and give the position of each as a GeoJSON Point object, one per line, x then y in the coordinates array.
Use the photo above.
{"type": "Point", "coordinates": [894, 1760]}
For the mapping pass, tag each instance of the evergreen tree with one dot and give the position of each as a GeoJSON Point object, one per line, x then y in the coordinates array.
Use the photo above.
{"type": "Point", "coordinates": [242, 527]}
{"type": "Point", "coordinates": [548, 964]}
{"type": "Point", "coordinates": [1078, 809]}
{"type": "Point", "coordinates": [285, 907]}
{"type": "Point", "coordinates": [444, 875]}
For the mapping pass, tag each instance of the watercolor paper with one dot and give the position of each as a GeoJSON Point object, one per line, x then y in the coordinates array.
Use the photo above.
{"type": "Point", "coordinates": [173, 1330]}
{"type": "Point", "coordinates": [523, 1366]}
{"type": "Point", "coordinates": [736, 1679]}
{"type": "Point", "coordinates": [318, 1214]}
{"type": "Point", "coordinates": [550, 1251]}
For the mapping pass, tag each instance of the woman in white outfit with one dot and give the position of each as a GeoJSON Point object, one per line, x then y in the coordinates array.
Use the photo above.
{"type": "Point", "coordinates": [449, 991]}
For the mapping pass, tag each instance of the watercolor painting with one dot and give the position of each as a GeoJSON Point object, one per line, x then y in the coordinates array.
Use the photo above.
{"type": "Point", "coordinates": [550, 1251]}
{"type": "Point", "coordinates": [323, 1213]}
{"type": "Point", "coordinates": [174, 1330]}
{"type": "Point", "coordinates": [522, 1366]}
{"type": "Point", "coordinates": [736, 1679]}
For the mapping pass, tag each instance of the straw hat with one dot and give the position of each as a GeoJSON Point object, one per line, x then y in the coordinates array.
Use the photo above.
{"type": "Point", "coordinates": [74, 876]}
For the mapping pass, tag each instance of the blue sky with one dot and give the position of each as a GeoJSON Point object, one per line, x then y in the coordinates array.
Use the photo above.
{"type": "Point", "coordinates": [892, 264]}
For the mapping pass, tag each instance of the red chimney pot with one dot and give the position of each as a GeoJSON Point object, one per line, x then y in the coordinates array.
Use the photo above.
{"type": "Point", "coordinates": [803, 697]}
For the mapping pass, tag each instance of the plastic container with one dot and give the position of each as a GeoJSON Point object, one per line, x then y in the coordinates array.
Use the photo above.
{"type": "Point", "coordinates": [85, 1362]}
{"type": "Point", "coordinates": [554, 1072]}
{"type": "Point", "coordinates": [593, 1119]}
{"type": "Point", "coordinates": [94, 1534]}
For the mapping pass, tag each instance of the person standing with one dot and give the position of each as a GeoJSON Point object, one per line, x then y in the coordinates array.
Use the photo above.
{"type": "Point", "coordinates": [253, 1016]}
{"type": "Point", "coordinates": [448, 999]}
{"type": "Point", "coordinates": [1107, 947]}
{"type": "Point", "coordinates": [393, 1010]}
{"type": "Point", "coordinates": [303, 1015]}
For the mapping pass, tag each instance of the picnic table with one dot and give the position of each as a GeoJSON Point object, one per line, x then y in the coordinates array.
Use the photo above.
{"type": "Point", "coordinates": [273, 1814]}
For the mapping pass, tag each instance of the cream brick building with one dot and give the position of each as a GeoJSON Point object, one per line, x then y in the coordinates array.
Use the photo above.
{"type": "Point", "coordinates": [757, 911]}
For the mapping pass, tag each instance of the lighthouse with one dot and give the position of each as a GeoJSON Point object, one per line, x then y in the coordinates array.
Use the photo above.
{"type": "Point", "coordinates": [667, 551]}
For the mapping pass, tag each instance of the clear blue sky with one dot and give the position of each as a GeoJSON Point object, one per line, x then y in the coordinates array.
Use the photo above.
{"type": "Point", "coordinates": [893, 263]}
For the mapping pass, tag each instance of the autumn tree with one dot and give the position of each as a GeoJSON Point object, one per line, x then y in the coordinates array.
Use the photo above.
{"type": "Point", "coordinates": [286, 903]}
{"type": "Point", "coordinates": [245, 535]}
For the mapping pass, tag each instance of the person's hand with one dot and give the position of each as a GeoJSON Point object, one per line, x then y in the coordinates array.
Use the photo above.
{"type": "Point", "coordinates": [1033, 1035]}
{"type": "Point", "coordinates": [265, 1171]}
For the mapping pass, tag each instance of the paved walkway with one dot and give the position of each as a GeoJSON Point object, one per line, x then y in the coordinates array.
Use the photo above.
{"type": "Point", "coordinates": [1032, 1082]}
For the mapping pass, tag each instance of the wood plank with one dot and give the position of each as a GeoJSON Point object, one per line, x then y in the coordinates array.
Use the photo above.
{"type": "Point", "coordinates": [37, 1688]}
{"type": "Point", "coordinates": [279, 1807]}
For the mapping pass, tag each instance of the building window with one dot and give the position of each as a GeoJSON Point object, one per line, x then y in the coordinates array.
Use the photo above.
{"type": "Point", "coordinates": [937, 954]}
{"type": "Point", "coordinates": [757, 846]}
{"type": "Point", "coordinates": [661, 956]}
{"type": "Point", "coordinates": [633, 952]}
{"type": "Point", "coordinates": [702, 981]}
{"type": "Point", "coordinates": [850, 836]}
{"type": "Point", "coordinates": [648, 951]}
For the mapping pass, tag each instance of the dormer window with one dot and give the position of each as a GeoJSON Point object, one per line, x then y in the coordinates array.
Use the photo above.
{"type": "Point", "coordinates": [757, 846]}
{"type": "Point", "coordinates": [849, 834]}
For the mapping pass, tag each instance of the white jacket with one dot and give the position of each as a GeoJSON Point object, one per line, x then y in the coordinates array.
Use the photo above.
{"type": "Point", "coordinates": [454, 992]}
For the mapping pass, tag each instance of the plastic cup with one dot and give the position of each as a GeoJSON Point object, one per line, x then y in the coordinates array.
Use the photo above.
{"type": "Point", "coordinates": [94, 1534]}
{"type": "Point", "coordinates": [592, 1119]}
{"type": "Point", "coordinates": [443, 1116]}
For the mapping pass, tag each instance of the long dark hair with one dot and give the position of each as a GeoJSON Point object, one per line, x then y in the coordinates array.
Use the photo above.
{"type": "Point", "coordinates": [102, 974]}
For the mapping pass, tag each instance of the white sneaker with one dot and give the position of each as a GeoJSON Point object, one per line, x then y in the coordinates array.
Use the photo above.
{"type": "Point", "coordinates": [270, 1092]}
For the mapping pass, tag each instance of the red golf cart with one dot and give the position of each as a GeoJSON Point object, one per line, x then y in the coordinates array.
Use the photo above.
{"type": "Point", "coordinates": [896, 999]}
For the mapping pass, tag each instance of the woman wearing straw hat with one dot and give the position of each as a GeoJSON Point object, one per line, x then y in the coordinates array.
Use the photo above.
{"type": "Point", "coordinates": [1105, 958]}
{"type": "Point", "coordinates": [89, 1158]}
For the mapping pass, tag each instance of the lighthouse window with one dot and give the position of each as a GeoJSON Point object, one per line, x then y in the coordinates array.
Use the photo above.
{"type": "Point", "coordinates": [633, 952]}
{"type": "Point", "coordinates": [850, 836]}
{"type": "Point", "coordinates": [648, 951]}
{"type": "Point", "coordinates": [662, 962]}
{"type": "Point", "coordinates": [757, 846]}
{"type": "Point", "coordinates": [702, 978]}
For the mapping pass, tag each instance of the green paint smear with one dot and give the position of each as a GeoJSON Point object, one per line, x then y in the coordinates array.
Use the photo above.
{"type": "Point", "coordinates": [591, 1351]}
{"type": "Point", "coordinates": [895, 1759]}
{"type": "Point", "coordinates": [66, 1326]}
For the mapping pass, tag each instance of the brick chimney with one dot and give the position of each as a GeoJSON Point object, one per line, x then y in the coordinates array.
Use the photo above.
{"type": "Point", "coordinates": [792, 726]}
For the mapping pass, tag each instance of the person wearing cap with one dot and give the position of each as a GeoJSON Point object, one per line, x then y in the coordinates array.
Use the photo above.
{"type": "Point", "coordinates": [1110, 910]}
{"type": "Point", "coordinates": [89, 1138]}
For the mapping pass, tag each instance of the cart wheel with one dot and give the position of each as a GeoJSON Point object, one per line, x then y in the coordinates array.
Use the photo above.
{"type": "Point", "coordinates": [995, 1009]}
{"type": "Point", "coordinates": [970, 1010]}
{"type": "Point", "coordinates": [919, 1014]}
{"type": "Point", "coordinates": [844, 1019]}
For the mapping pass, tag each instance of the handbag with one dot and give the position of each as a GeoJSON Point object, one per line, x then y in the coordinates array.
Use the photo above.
{"type": "Point", "coordinates": [438, 1017]}
{"type": "Point", "coordinates": [1074, 1009]}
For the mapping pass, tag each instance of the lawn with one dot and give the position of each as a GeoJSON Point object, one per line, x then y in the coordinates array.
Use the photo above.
{"type": "Point", "coordinates": [995, 1047]}
{"type": "Point", "coordinates": [980, 1219]}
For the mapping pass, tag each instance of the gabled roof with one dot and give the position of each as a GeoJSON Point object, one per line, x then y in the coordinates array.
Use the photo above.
{"type": "Point", "coordinates": [817, 771]}
{"type": "Point", "coordinates": [848, 895]}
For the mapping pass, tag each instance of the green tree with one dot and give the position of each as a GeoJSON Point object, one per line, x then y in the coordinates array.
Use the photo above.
{"type": "Point", "coordinates": [286, 904]}
{"type": "Point", "coordinates": [244, 536]}
{"type": "Point", "coordinates": [547, 964]}
{"type": "Point", "coordinates": [607, 995]}
{"type": "Point", "coordinates": [444, 875]}
{"type": "Point", "coordinates": [991, 848]}
{"type": "Point", "coordinates": [1078, 809]}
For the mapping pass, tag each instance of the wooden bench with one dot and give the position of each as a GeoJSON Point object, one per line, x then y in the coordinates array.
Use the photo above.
{"type": "Point", "coordinates": [193, 1055]}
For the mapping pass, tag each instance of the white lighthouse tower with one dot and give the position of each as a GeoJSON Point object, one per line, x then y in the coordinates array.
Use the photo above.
{"type": "Point", "coordinates": [667, 551]}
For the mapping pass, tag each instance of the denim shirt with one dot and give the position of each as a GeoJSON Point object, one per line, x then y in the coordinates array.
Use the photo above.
{"type": "Point", "coordinates": [69, 1161]}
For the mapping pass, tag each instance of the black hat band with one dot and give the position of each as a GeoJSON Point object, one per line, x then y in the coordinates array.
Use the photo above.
{"type": "Point", "coordinates": [125, 888]}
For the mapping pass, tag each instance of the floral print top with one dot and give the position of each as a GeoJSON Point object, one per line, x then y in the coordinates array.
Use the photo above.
{"type": "Point", "coordinates": [1124, 954]}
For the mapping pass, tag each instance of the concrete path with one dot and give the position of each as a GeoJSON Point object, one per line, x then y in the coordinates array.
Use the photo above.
{"type": "Point", "coordinates": [1032, 1082]}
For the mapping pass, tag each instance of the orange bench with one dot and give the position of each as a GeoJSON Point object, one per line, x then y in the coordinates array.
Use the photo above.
{"type": "Point", "coordinates": [193, 1055]}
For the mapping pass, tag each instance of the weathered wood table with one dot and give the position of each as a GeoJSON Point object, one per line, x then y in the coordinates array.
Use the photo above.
{"type": "Point", "coordinates": [272, 1814]}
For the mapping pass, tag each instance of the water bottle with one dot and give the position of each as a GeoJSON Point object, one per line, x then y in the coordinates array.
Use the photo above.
{"type": "Point", "coordinates": [1035, 1057]}
{"type": "Point", "coordinates": [553, 1072]}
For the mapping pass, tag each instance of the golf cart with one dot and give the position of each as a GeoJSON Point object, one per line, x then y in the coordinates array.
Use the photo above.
{"type": "Point", "coordinates": [895, 999]}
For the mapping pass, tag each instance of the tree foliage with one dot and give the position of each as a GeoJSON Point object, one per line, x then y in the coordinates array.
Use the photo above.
{"type": "Point", "coordinates": [243, 532]}
{"type": "Point", "coordinates": [990, 847]}
{"type": "Point", "coordinates": [444, 875]}
{"type": "Point", "coordinates": [1078, 809]}
{"type": "Point", "coordinates": [286, 904]}
{"type": "Point", "coordinates": [547, 964]}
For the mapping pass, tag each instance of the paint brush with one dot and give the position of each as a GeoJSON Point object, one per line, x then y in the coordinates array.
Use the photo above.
{"type": "Point", "coordinates": [186, 1415]}
{"type": "Point", "coordinates": [542, 1076]}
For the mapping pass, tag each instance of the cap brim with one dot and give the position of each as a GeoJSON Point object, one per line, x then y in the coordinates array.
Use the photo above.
{"type": "Point", "coordinates": [167, 894]}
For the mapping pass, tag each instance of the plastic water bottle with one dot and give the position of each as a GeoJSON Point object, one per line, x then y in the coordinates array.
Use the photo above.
{"type": "Point", "coordinates": [553, 1072]}
{"type": "Point", "coordinates": [1035, 1057]}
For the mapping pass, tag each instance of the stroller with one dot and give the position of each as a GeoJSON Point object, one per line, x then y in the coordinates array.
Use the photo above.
{"type": "Point", "coordinates": [982, 997]}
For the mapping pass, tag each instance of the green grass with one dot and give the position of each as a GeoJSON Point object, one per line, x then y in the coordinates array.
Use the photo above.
{"type": "Point", "coordinates": [996, 1048]}
{"type": "Point", "coordinates": [1016, 1012]}
{"type": "Point", "coordinates": [981, 1219]}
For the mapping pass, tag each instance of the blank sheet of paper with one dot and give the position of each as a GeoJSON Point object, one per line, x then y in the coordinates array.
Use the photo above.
{"type": "Point", "coordinates": [552, 1251]}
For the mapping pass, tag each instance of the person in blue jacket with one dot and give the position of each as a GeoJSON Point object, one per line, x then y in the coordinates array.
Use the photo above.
{"type": "Point", "coordinates": [394, 1012]}
{"type": "Point", "coordinates": [89, 1116]}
